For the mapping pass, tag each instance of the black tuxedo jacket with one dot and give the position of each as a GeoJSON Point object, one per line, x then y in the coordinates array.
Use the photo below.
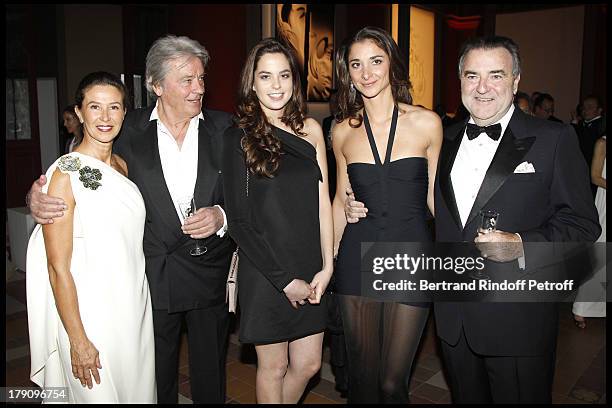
{"type": "Point", "coordinates": [177, 280]}
{"type": "Point", "coordinates": [554, 204]}
{"type": "Point", "coordinates": [588, 133]}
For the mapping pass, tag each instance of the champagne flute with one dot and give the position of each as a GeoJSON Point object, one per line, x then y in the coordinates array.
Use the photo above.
{"type": "Point", "coordinates": [188, 208]}
{"type": "Point", "coordinates": [184, 204]}
{"type": "Point", "coordinates": [199, 248]}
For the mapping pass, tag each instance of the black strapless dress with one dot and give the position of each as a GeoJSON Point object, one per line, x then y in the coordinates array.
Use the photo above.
{"type": "Point", "coordinates": [395, 194]}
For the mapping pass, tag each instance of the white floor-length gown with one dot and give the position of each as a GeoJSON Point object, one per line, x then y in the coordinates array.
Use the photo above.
{"type": "Point", "coordinates": [108, 268]}
{"type": "Point", "coordinates": [594, 284]}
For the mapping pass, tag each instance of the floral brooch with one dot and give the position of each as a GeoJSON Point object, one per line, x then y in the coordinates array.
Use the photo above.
{"type": "Point", "coordinates": [88, 176]}
{"type": "Point", "coordinates": [69, 163]}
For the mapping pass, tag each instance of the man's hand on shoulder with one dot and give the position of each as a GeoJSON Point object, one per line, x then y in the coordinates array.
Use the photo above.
{"type": "Point", "coordinates": [43, 207]}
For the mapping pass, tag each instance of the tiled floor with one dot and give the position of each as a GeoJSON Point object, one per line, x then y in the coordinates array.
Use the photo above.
{"type": "Point", "coordinates": [580, 371]}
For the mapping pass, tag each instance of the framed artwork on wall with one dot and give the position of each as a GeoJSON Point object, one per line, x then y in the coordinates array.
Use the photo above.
{"type": "Point", "coordinates": [308, 30]}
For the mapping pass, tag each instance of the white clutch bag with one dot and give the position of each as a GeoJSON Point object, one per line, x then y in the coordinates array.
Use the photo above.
{"type": "Point", "coordinates": [231, 287]}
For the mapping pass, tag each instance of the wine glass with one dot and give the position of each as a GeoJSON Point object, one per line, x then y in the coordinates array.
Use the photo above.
{"type": "Point", "coordinates": [199, 248]}
{"type": "Point", "coordinates": [188, 208]}
{"type": "Point", "coordinates": [184, 204]}
{"type": "Point", "coordinates": [488, 223]}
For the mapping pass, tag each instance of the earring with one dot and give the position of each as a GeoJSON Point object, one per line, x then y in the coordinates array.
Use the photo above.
{"type": "Point", "coordinates": [352, 87]}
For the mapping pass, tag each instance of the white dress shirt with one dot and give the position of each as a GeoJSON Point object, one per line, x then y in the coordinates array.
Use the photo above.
{"type": "Point", "coordinates": [471, 164]}
{"type": "Point", "coordinates": [470, 167]}
{"type": "Point", "coordinates": [180, 165]}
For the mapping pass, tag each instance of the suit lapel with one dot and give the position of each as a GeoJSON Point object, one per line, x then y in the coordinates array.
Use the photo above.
{"type": "Point", "coordinates": [161, 200]}
{"type": "Point", "coordinates": [447, 159]}
{"type": "Point", "coordinates": [208, 171]}
{"type": "Point", "coordinates": [509, 154]}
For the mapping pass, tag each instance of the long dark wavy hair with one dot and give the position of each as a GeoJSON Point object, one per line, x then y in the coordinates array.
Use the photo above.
{"type": "Point", "coordinates": [262, 149]}
{"type": "Point", "coordinates": [350, 102]}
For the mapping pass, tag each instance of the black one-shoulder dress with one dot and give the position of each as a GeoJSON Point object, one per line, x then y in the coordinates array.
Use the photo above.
{"type": "Point", "coordinates": [277, 230]}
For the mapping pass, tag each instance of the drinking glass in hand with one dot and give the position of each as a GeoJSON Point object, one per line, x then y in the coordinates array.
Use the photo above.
{"type": "Point", "coordinates": [188, 208]}
{"type": "Point", "coordinates": [488, 223]}
{"type": "Point", "coordinates": [185, 207]}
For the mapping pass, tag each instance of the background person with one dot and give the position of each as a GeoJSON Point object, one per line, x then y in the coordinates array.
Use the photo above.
{"type": "Point", "coordinates": [593, 286]}
{"type": "Point", "coordinates": [74, 132]}
{"type": "Point", "coordinates": [521, 100]}
{"type": "Point", "coordinates": [544, 107]}
{"type": "Point", "coordinates": [590, 129]}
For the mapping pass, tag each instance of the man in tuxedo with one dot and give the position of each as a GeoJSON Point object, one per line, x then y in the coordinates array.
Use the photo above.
{"type": "Point", "coordinates": [590, 128]}
{"type": "Point", "coordinates": [544, 107]}
{"type": "Point", "coordinates": [529, 171]}
{"type": "Point", "coordinates": [173, 152]}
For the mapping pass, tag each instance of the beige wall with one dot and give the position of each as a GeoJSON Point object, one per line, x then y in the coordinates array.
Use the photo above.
{"type": "Point", "coordinates": [421, 60]}
{"type": "Point", "coordinates": [551, 51]}
{"type": "Point", "coordinates": [94, 42]}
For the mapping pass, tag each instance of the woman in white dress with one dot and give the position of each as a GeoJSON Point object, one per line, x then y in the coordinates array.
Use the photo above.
{"type": "Point", "coordinates": [89, 310]}
{"type": "Point", "coordinates": [73, 127]}
{"type": "Point", "coordinates": [594, 285]}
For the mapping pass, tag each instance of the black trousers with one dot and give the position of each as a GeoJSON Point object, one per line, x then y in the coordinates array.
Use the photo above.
{"type": "Point", "coordinates": [207, 335]}
{"type": "Point", "coordinates": [478, 379]}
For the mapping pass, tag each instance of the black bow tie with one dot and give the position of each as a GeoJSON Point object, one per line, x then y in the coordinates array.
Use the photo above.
{"type": "Point", "coordinates": [493, 131]}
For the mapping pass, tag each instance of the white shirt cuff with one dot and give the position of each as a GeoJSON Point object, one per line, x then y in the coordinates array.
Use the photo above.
{"type": "Point", "coordinates": [223, 229]}
{"type": "Point", "coordinates": [521, 259]}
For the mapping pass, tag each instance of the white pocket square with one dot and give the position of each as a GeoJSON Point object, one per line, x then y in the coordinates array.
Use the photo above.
{"type": "Point", "coordinates": [524, 167]}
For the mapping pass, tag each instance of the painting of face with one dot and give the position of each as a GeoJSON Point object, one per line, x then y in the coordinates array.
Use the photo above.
{"type": "Point", "coordinates": [320, 53]}
{"type": "Point", "coordinates": [308, 30]}
{"type": "Point", "coordinates": [291, 27]}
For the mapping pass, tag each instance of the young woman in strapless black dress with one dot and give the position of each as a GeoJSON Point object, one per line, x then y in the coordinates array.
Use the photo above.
{"type": "Point", "coordinates": [376, 115]}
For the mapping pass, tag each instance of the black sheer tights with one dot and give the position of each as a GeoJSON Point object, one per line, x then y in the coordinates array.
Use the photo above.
{"type": "Point", "coordinates": [381, 342]}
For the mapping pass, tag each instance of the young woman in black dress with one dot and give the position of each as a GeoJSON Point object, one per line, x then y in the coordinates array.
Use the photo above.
{"type": "Point", "coordinates": [376, 115]}
{"type": "Point", "coordinates": [279, 214]}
